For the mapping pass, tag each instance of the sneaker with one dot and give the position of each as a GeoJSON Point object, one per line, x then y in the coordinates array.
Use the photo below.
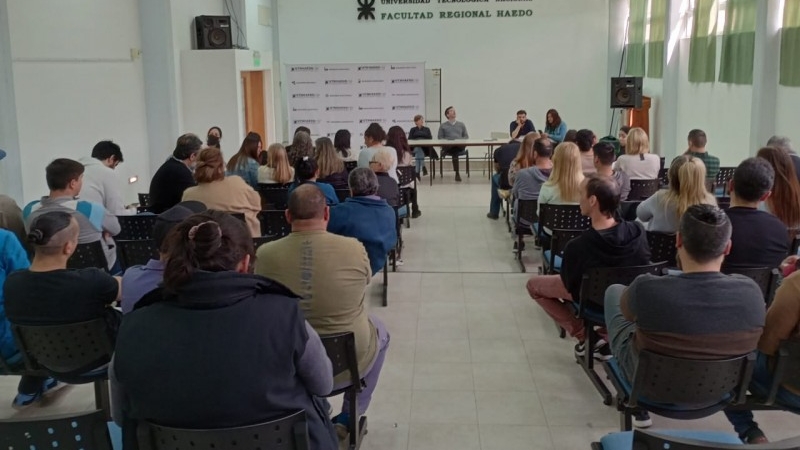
{"type": "Point", "coordinates": [416, 175]}
{"type": "Point", "coordinates": [399, 262]}
{"type": "Point", "coordinates": [580, 349]}
{"type": "Point", "coordinates": [641, 419]}
{"type": "Point", "coordinates": [23, 401]}
{"type": "Point", "coordinates": [416, 214]}
{"type": "Point", "coordinates": [341, 431]}
{"type": "Point", "coordinates": [424, 171]}
{"type": "Point", "coordinates": [458, 177]}
{"type": "Point", "coordinates": [602, 351]}
{"type": "Point", "coordinates": [754, 436]}
{"type": "Point", "coordinates": [493, 216]}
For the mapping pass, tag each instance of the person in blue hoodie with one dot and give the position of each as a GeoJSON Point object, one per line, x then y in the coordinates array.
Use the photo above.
{"type": "Point", "coordinates": [366, 217]}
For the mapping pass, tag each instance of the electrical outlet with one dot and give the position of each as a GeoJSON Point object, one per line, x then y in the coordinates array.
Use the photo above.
{"type": "Point", "coordinates": [135, 54]}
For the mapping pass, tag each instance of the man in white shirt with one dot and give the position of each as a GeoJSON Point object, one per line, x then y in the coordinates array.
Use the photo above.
{"type": "Point", "coordinates": [99, 181]}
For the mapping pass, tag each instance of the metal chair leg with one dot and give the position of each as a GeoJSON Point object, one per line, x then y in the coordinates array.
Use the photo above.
{"type": "Point", "coordinates": [102, 398]}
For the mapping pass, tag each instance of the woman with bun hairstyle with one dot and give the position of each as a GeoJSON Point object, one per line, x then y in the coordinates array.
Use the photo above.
{"type": "Point", "coordinates": [306, 171]}
{"type": "Point", "coordinates": [222, 347]}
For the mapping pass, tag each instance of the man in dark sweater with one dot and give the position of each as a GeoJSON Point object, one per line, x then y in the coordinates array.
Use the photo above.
{"type": "Point", "coordinates": [608, 243]}
{"type": "Point", "coordinates": [759, 239]}
{"type": "Point", "coordinates": [503, 157]}
{"type": "Point", "coordinates": [175, 175]}
{"type": "Point", "coordinates": [420, 131]}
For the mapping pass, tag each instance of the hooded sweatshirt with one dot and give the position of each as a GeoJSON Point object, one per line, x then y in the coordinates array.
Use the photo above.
{"type": "Point", "coordinates": [624, 244]}
{"type": "Point", "coordinates": [529, 182]}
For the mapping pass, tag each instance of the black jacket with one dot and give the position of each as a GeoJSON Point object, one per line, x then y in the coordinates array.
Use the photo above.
{"type": "Point", "coordinates": [420, 133]}
{"type": "Point", "coordinates": [337, 180]}
{"type": "Point", "coordinates": [168, 184]}
{"type": "Point", "coordinates": [388, 189]}
{"type": "Point", "coordinates": [623, 245]}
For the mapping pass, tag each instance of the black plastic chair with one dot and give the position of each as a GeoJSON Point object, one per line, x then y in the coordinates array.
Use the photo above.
{"type": "Point", "coordinates": [724, 175]}
{"type": "Point", "coordinates": [559, 217]}
{"type": "Point", "coordinates": [663, 178]}
{"type": "Point", "coordinates": [138, 227]}
{"type": "Point", "coordinates": [74, 431]}
{"type": "Point", "coordinates": [88, 255]}
{"type": "Point", "coordinates": [523, 225]}
{"type": "Point", "coordinates": [680, 388]}
{"type": "Point", "coordinates": [766, 278]}
{"type": "Point", "coordinates": [274, 195]}
{"type": "Point", "coordinates": [643, 189]}
{"type": "Point", "coordinates": [341, 350]}
{"type": "Point", "coordinates": [627, 209]}
{"type": "Point", "coordinates": [133, 253]}
{"type": "Point", "coordinates": [342, 194]}
{"type": "Point", "coordinates": [285, 433]}
{"type": "Point", "coordinates": [785, 371]}
{"type": "Point", "coordinates": [261, 240]}
{"type": "Point", "coordinates": [662, 247]}
{"type": "Point", "coordinates": [558, 242]}
{"type": "Point", "coordinates": [273, 223]}
{"type": "Point", "coordinates": [350, 165]}
{"type": "Point", "coordinates": [144, 199]}
{"type": "Point", "coordinates": [406, 175]}
{"type": "Point", "coordinates": [655, 440]}
{"type": "Point", "coordinates": [723, 203]}
{"type": "Point", "coordinates": [75, 353]}
{"type": "Point", "coordinates": [590, 310]}
{"type": "Point", "coordinates": [238, 215]}
{"type": "Point", "coordinates": [391, 257]}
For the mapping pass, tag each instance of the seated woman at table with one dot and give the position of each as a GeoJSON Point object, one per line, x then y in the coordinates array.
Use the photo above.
{"type": "Point", "coordinates": [307, 171]}
{"type": "Point", "coordinates": [331, 167]}
{"type": "Point", "coordinates": [555, 128]}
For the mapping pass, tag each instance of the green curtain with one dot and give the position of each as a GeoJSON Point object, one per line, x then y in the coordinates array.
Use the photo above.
{"type": "Point", "coordinates": [637, 21]}
{"type": "Point", "coordinates": [790, 44]}
{"type": "Point", "coordinates": [655, 46]}
{"type": "Point", "coordinates": [703, 42]}
{"type": "Point", "coordinates": [738, 42]}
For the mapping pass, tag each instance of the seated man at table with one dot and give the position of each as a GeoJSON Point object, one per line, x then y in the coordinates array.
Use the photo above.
{"type": "Point", "coordinates": [420, 131]}
{"type": "Point", "coordinates": [330, 273]}
{"type": "Point", "coordinates": [522, 126]}
{"type": "Point", "coordinates": [503, 156]}
{"type": "Point", "coordinates": [710, 315]}
{"type": "Point", "coordinates": [366, 217]}
{"type": "Point", "coordinates": [453, 129]}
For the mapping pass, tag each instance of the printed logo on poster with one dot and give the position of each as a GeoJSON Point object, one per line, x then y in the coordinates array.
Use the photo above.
{"type": "Point", "coordinates": [304, 69]}
{"type": "Point", "coordinates": [305, 121]}
{"type": "Point", "coordinates": [370, 121]}
{"type": "Point", "coordinates": [372, 95]}
{"type": "Point", "coordinates": [338, 82]}
{"type": "Point", "coordinates": [405, 80]}
{"type": "Point", "coordinates": [339, 108]}
{"type": "Point", "coordinates": [305, 109]}
{"type": "Point", "coordinates": [305, 95]}
{"type": "Point", "coordinates": [374, 67]}
{"type": "Point", "coordinates": [303, 82]}
{"type": "Point", "coordinates": [370, 108]}
{"type": "Point", "coordinates": [405, 108]}
{"type": "Point", "coordinates": [338, 95]}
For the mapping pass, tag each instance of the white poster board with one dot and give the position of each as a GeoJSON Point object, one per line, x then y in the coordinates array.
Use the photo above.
{"type": "Point", "coordinates": [433, 95]}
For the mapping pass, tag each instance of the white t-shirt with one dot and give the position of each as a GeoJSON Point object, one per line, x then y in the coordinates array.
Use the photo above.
{"type": "Point", "coordinates": [638, 168]}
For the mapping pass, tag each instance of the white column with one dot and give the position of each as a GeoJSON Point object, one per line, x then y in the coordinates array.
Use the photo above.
{"type": "Point", "coordinates": [765, 73]}
{"type": "Point", "coordinates": [671, 140]}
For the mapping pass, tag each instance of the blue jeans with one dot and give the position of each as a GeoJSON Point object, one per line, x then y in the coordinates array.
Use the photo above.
{"type": "Point", "coordinates": [495, 203]}
{"type": "Point", "coordinates": [620, 332]}
{"type": "Point", "coordinates": [742, 421]}
{"type": "Point", "coordinates": [419, 158]}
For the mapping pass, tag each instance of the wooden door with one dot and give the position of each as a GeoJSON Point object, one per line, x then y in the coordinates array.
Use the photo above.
{"type": "Point", "coordinates": [254, 110]}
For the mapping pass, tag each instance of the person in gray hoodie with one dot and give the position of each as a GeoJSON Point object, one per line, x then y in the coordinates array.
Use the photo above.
{"type": "Point", "coordinates": [529, 181]}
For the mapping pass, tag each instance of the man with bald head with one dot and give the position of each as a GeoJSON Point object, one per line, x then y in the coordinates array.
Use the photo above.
{"type": "Point", "coordinates": [330, 274]}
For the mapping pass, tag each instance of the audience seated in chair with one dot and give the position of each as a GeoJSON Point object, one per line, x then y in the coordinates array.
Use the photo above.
{"type": "Point", "coordinates": [245, 162]}
{"type": "Point", "coordinates": [524, 157]}
{"type": "Point", "coordinates": [503, 156]}
{"type": "Point", "coordinates": [387, 187]}
{"type": "Point", "coordinates": [784, 202]}
{"type": "Point", "coordinates": [302, 146]}
{"type": "Point", "coordinates": [396, 138]}
{"type": "Point", "coordinates": [563, 185]}
{"type": "Point", "coordinates": [697, 148]}
{"type": "Point", "coordinates": [140, 280]}
{"type": "Point", "coordinates": [785, 144]}
{"type": "Point", "coordinates": [663, 210]}
{"type": "Point", "coordinates": [607, 243]}
{"type": "Point", "coordinates": [366, 217]}
{"type": "Point", "coordinates": [306, 171]}
{"type": "Point", "coordinates": [331, 167]}
{"type": "Point", "coordinates": [585, 140]}
{"type": "Point", "coordinates": [175, 175]}
{"type": "Point", "coordinates": [529, 181]}
{"type": "Point", "coordinates": [236, 346]}
{"type": "Point", "coordinates": [330, 273]}
{"type": "Point", "coordinates": [11, 219]}
{"type": "Point", "coordinates": [65, 178]}
{"type": "Point", "coordinates": [699, 314]}
{"type": "Point", "coordinates": [758, 239]}
{"type": "Point", "coordinates": [277, 168]}
{"type": "Point", "coordinates": [637, 162]}
{"type": "Point", "coordinates": [50, 294]}
{"type": "Point", "coordinates": [603, 163]}
{"type": "Point", "coordinates": [374, 136]}
{"type": "Point", "coordinates": [100, 184]}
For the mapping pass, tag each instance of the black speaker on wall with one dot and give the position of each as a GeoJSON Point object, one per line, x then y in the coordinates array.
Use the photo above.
{"type": "Point", "coordinates": [213, 32]}
{"type": "Point", "coordinates": [626, 92]}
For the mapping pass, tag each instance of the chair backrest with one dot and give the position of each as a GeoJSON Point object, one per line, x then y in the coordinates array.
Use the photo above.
{"type": "Point", "coordinates": [662, 247]}
{"type": "Point", "coordinates": [238, 215]}
{"type": "Point", "coordinates": [724, 202]}
{"type": "Point", "coordinates": [653, 440]}
{"type": "Point", "coordinates": [794, 236]}
{"type": "Point", "coordinates": [663, 177]}
{"type": "Point", "coordinates": [274, 195]}
{"type": "Point", "coordinates": [350, 165]}
{"type": "Point", "coordinates": [405, 175]}
{"type": "Point", "coordinates": [88, 255]}
{"type": "Point", "coordinates": [86, 430]}
{"type": "Point", "coordinates": [559, 240]}
{"type": "Point", "coordinates": [563, 217]}
{"type": "Point", "coordinates": [690, 382]}
{"type": "Point", "coordinates": [766, 278]}
{"type": "Point", "coordinates": [723, 176]}
{"type": "Point", "coordinates": [526, 211]}
{"type": "Point", "coordinates": [595, 281]}
{"type": "Point", "coordinates": [342, 194]}
{"type": "Point", "coordinates": [138, 227]}
{"type": "Point", "coordinates": [790, 360]}
{"type": "Point", "coordinates": [144, 199]}
{"type": "Point", "coordinates": [643, 189]}
{"type": "Point", "coordinates": [261, 240]}
{"type": "Point", "coordinates": [137, 252]}
{"type": "Point", "coordinates": [286, 433]}
{"type": "Point", "coordinates": [273, 223]}
{"type": "Point", "coordinates": [627, 209]}
{"type": "Point", "coordinates": [341, 350]}
{"type": "Point", "coordinates": [65, 350]}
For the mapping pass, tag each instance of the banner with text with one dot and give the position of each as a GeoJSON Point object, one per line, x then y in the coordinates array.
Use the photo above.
{"type": "Point", "coordinates": [330, 97]}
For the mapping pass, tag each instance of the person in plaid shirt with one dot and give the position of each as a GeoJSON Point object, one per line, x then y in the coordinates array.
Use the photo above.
{"type": "Point", "coordinates": [697, 148]}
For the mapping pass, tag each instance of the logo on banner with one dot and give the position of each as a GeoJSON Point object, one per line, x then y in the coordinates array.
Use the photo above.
{"type": "Point", "coordinates": [369, 121]}
{"type": "Point", "coordinates": [341, 121]}
{"type": "Point", "coordinates": [405, 108]}
{"type": "Point", "coordinates": [405, 80]}
{"type": "Point", "coordinates": [370, 108]}
{"type": "Point", "coordinates": [372, 95]}
{"type": "Point", "coordinates": [405, 95]}
{"type": "Point", "coordinates": [402, 67]}
{"type": "Point", "coordinates": [341, 69]}
{"type": "Point", "coordinates": [304, 69]}
{"type": "Point", "coordinates": [402, 121]}
{"type": "Point", "coordinates": [366, 10]}
{"type": "Point", "coordinates": [305, 95]}
{"type": "Point", "coordinates": [338, 95]}
{"type": "Point", "coordinates": [339, 82]}
{"type": "Point", "coordinates": [367, 80]}
{"type": "Point", "coordinates": [363, 68]}
{"type": "Point", "coordinates": [305, 122]}
{"type": "Point", "coordinates": [339, 108]}
{"type": "Point", "coordinates": [304, 82]}
{"type": "Point", "coordinates": [305, 109]}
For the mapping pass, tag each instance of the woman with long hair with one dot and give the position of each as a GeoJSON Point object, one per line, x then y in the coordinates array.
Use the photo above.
{"type": "Point", "coordinates": [555, 128]}
{"type": "Point", "coordinates": [524, 158]}
{"type": "Point", "coordinates": [396, 138]}
{"type": "Point", "coordinates": [637, 162]}
{"type": "Point", "coordinates": [564, 185]}
{"type": "Point", "coordinates": [277, 169]}
{"type": "Point", "coordinates": [245, 162]}
{"type": "Point", "coordinates": [687, 187]}
{"type": "Point", "coordinates": [268, 361]}
{"type": "Point", "coordinates": [331, 167]}
{"type": "Point", "coordinates": [216, 191]}
{"type": "Point", "coordinates": [622, 136]}
{"type": "Point", "coordinates": [306, 172]}
{"type": "Point", "coordinates": [341, 142]}
{"type": "Point", "coordinates": [784, 203]}
{"type": "Point", "coordinates": [301, 147]}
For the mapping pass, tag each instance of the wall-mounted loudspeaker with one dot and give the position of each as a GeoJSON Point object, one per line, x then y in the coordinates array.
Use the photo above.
{"type": "Point", "coordinates": [213, 32]}
{"type": "Point", "coordinates": [626, 92]}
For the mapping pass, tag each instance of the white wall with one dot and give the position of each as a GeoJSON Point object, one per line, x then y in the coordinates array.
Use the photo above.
{"type": "Point", "coordinates": [787, 115]}
{"type": "Point", "coordinates": [490, 67]}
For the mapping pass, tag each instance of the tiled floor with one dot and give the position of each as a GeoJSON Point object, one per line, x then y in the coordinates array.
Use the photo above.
{"type": "Point", "coordinates": [473, 363]}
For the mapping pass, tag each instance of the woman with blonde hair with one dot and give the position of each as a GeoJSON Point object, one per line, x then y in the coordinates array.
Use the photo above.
{"type": "Point", "coordinates": [524, 158]}
{"type": "Point", "coordinates": [784, 202]}
{"type": "Point", "coordinates": [277, 169]}
{"type": "Point", "coordinates": [564, 185]}
{"type": "Point", "coordinates": [687, 187]}
{"type": "Point", "coordinates": [637, 162]}
{"type": "Point", "coordinates": [229, 194]}
{"type": "Point", "coordinates": [331, 167]}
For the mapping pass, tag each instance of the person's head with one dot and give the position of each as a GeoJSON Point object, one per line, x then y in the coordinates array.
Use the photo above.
{"type": "Point", "coordinates": [784, 202]}
{"type": "Point", "coordinates": [64, 176]}
{"type": "Point", "coordinates": [623, 135]}
{"type": "Point", "coordinates": [306, 169]}
{"type": "Point", "coordinates": [212, 241]}
{"type": "Point", "coordinates": [585, 140]}
{"type": "Point", "coordinates": [108, 153]}
{"type": "Point", "coordinates": [216, 132]}
{"type": "Point", "coordinates": [341, 141]}
{"type": "Point", "coordinates": [304, 129]}
{"type": "Point", "coordinates": [781, 142]}
{"type": "Point", "coordinates": [542, 149]}
{"type": "Point", "coordinates": [697, 139]}
{"type": "Point", "coordinates": [374, 135]}
{"type": "Point", "coordinates": [450, 113]}
{"type": "Point", "coordinates": [381, 161]}
{"type": "Point", "coordinates": [54, 235]}
{"type": "Point", "coordinates": [637, 142]}
{"type": "Point", "coordinates": [186, 148]}
{"type": "Point", "coordinates": [302, 145]}
{"type": "Point", "coordinates": [307, 209]}
{"type": "Point", "coordinates": [419, 120]}
{"type": "Point", "coordinates": [210, 165]}
{"type": "Point", "coordinates": [599, 196]}
{"type": "Point", "coordinates": [687, 183]}
{"type": "Point", "coordinates": [567, 173]}
{"type": "Point", "coordinates": [362, 182]}
{"type": "Point", "coordinates": [525, 157]}
{"type": "Point", "coordinates": [752, 180]}
{"type": "Point", "coordinates": [396, 138]}
{"type": "Point", "coordinates": [553, 120]}
{"type": "Point", "coordinates": [522, 115]}
{"type": "Point", "coordinates": [327, 161]}
{"type": "Point", "coordinates": [278, 160]}
{"type": "Point", "coordinates": [167, 220]}
{"type": "Point", "coordinates": [704, 235]}
{"type": "Point", "coordinates": [571, 136]}
{"type": "Point", "coordinates": [603, 154]}
{"type": "Point", "coordinates": [250, 149]}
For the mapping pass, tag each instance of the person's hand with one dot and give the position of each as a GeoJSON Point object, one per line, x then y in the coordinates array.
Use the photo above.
{"type": "Point", "coordinates": [789, 265]}
{"type": "Point", "coordinates": [544, 135]}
